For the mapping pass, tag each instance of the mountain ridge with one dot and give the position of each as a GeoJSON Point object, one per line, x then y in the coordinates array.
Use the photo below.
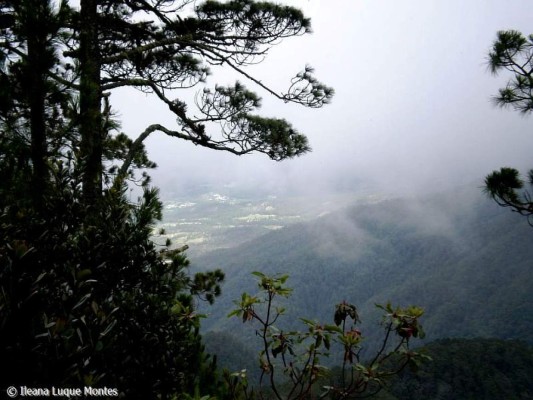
{"type": "Point", "coordinates": [457, 254]}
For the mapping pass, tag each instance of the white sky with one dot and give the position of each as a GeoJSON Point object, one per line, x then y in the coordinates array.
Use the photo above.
{"type": "Point", "coordinates": [412, 108]}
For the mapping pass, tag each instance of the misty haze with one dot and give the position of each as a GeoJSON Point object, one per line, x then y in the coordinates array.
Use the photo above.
{"type": "Point", "coordinates": [285, 200]}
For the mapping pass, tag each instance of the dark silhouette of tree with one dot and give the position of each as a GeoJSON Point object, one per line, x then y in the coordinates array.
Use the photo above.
{"type": "Point", "coordinates": [513, 52]}
{"type": "Point", "coordinates": [478, 368]}
{"type": "Point", "coordinates": [28, 95]}
{"type": "Point", "coordinates": [86, 297]}
{"type": "Point", "coordinates": [159, 46]}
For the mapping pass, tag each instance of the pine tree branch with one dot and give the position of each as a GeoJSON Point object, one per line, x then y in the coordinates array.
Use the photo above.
{"type": "Point", "coordinates": [136, 146]}
{"type": "Point", "coordinates": [59, 79]}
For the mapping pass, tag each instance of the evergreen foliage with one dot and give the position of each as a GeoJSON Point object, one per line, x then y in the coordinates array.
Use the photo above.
{"type": "Point", "coordinates": [513, 52]}
{"type": "Point", "coordinates": [95, 305]}
{"type": "Point", "coordinates": [86, 298]}
{"type": "Point", "coordinates": [464, 369]}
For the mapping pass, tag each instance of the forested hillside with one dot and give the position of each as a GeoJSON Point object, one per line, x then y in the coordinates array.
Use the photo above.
{"type": "Point", "coordinates": [461, 257]}
{"type": "Point", "coordinates": [486, 369]}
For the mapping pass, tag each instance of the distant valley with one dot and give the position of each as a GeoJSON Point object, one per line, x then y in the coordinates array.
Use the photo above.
{"type": "Point", "coordinates": [221, 218]}
{"type": "Point", "coordinates": [465, 260]}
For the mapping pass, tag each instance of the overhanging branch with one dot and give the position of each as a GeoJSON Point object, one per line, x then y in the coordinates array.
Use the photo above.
{"type": "Point", "coordinates": [137, 146]}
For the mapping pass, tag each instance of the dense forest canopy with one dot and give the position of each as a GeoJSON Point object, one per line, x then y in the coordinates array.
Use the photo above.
{"type": "Point", "coordinates": [469, 369]}
{"type": "Point", "coordinates": [456, 253]}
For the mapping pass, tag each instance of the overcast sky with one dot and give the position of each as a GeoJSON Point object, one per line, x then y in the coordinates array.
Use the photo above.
{"type": "Point", "coordinates": [412, 109]}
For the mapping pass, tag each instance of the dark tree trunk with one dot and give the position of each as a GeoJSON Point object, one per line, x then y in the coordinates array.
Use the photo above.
{"type": "Point", "coordinates": [36, 70]}
{"type": "Point", "coordinates": [90, 100]}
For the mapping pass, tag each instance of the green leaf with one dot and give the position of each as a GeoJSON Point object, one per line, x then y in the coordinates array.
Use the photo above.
{"type": "Point", "coordinates": [327, 343]}
{"type": "Point", "coordinates": [108, 328]}
{"type": "Point", "coordinates": [332, 328]}
{"type": "Point", "coordinates": [82, 301]}
{"type": "Point", "coordinates": [234, 313]}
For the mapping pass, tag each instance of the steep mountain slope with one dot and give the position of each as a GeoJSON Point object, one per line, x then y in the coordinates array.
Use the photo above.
{"type": "Point", "coordinates": [467, 261]}
{"type": "Point", "coordinates": [486, 369]}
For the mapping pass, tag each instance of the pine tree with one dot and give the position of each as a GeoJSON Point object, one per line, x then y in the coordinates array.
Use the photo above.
{"type": "Point", "coordinates": [86, 297]}
{"type": "Point", "coordinates": [512, 52]}
{"type": "Point", "coordinates": [160, 47]}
